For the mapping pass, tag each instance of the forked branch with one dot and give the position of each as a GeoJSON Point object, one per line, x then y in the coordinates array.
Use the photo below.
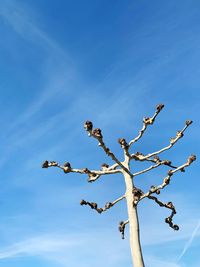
{"type": "Point", "coordinates": [173, 141]}
{"type": "Point", "coordinates": [97, 134]}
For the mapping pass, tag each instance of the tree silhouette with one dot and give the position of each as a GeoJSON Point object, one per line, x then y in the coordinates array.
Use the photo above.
{"type": "Point", "coordinates": [132, 195]}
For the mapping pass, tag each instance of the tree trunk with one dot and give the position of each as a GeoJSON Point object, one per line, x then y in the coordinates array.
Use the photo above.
{"type": "Point", "coordinates": [136, 250]}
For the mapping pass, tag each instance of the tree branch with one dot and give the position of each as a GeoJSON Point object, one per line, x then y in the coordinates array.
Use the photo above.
{"type": "Point", "coordinates": [146, 122]}
{"type": "Point", "coordinates": [170, 206]}
{"type": "Point", "coordinates": [159, 163]}
{"type": "Point", "coordinates": [148, 169]}
{"type": "Point", "coordinates": [167, 179]}
{"type": "Point", "coordinates": [140, 157]}
{"type": "Point", "coordinates": [107, 206]}
{"type": "Point", "coordinates": [156, 159]}
{"type": "Point", "coordinates": [93, 175]}
{"type": "Point", "coordinates": [179, 135]}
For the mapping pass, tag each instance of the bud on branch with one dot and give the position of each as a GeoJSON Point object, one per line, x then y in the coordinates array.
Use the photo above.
{"type": "Point", "coordinates": [121, 227]}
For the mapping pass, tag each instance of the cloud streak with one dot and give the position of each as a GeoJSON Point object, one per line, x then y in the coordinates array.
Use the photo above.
{"type": "Point", "coordinates": [64, 248]}
{"type": "Point", "coordinates": [58, 70]}
{"type": "Point", "coordinates": [46, 247]}
{"type": "Point", "coordinates": [24, 25]}
{"type": "Point", "coordinates": [189, 242]}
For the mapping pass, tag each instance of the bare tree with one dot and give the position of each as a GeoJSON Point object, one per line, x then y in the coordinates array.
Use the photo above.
{"type": "Point", "coordinates": [132, 195]}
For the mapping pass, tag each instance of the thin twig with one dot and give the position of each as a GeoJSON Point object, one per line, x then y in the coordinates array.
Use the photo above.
{"type": "Point", "coordinates": [146, 122]}
{"type": "Point", "coordinates": [107, 206]}
{"type": "Point", "coordinates": [170, 206]}
{"type": "Point", "coordinates": [148, 169]}
{"type": "Point", "coordinates": [159, 163]}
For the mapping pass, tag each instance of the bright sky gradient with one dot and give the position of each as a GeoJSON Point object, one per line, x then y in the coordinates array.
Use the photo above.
{"type": "Point", "coordinates": [63, 62]}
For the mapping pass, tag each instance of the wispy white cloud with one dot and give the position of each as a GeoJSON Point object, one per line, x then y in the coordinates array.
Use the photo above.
{"type": "Point", "coordinates": [158, 234]}
{"type": "Point", "coordinates": [69, 250]}
{"type": "Point", "coordinates": [189, 242]}
{"type": "Point", "coordinates": [24, 24]}
{"type": "Point", "coordinates": [57, 70]}
{"type": "Point", "coordinates": [46, 246]}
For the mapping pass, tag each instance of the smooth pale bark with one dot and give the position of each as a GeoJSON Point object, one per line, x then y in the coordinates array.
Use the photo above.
{"type": "Point", "coordinates": [136, 250]}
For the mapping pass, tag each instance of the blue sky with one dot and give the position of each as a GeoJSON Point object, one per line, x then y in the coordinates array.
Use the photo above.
{"type": "Point", "coordinates": [63, 62]}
